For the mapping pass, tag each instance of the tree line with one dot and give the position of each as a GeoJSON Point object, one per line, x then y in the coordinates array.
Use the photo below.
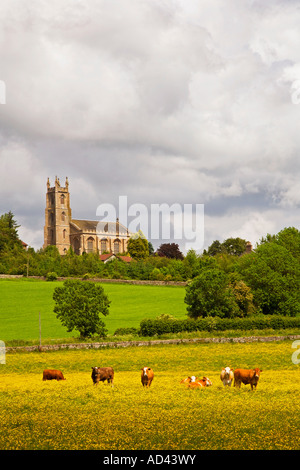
{"type": "Point", "coordinates": [224, 281]}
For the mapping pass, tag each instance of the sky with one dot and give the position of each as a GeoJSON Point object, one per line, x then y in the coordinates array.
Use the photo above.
{"type": "Point", "coordinates": [163, 101]}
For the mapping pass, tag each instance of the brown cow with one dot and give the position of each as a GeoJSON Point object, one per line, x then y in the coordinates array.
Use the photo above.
{"type": "Point", "coordinates": [147, 376]}
{"type": "Point", "coordinates": [199, 383]}
{"type": "Point", "coordinates": [247, 376]}
{"type": "Point", "coordinates": [100, 374]}
{"type": "Point", "coordinates": [53, 374]}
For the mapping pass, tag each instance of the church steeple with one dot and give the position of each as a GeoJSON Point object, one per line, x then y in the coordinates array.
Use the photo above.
{"type": "Point", "coordinates": [57, 216]}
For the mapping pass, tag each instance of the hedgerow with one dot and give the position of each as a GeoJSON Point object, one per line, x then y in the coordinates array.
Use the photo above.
{"type": "Point", "coordinates": [159, 327]}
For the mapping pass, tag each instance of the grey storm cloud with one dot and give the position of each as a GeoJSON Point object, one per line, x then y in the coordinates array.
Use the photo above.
{"type": "Point", "coordinates": [161, 101]}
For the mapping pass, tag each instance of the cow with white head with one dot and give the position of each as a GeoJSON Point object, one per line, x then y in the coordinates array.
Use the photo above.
{"type": "Point", "coordinates": [226, 376]}
{"type": "Point", "coordinates": [147, 376]}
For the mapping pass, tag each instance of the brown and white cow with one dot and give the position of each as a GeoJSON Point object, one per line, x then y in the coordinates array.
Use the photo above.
{"type": "Point", "coordinates": [227, 376]}
{"type": "Point", "coordinates": [147, 376]}
{"type": "Point", "coordinates": [199, 383]}
{"type": "Point", "coordinates": [100, 374]}
{"type": "Point", "coordinates": [188, 380]}
{"type": "Point", "coordinates": [53, 374]}
{"type": "Point", "coordinates": [247, 376]}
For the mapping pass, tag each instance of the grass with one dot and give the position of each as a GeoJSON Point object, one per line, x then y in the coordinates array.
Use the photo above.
{"type": "Point", "coordinates": [74, 414]}
{"type": "Point", "coordinates": [21, 300]}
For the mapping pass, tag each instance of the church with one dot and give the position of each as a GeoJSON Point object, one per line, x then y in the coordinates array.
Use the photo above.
{"type": "Point", "coordinates": [83, 236]}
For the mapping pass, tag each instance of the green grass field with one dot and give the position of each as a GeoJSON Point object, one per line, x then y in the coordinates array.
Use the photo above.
{"type": "Point", "coordinates": [74, 414]}
{"type": "Point", "coordinates": [21, 300]}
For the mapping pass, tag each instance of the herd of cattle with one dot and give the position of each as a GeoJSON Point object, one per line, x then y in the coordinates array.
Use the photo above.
{"type": "Point", "coordinates": [227, 376]}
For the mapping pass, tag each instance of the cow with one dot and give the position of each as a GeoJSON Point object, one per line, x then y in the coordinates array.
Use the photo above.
{"type": "Point", "coordinates": [199, 383]}
{"type": "Point", "coordinates": [53, 374]}
{"type": "Point", "coordinates": [227, 376]}
{"type": "Point", "coordinates": [247, 376]}
{"type": "Point", "coordinates": [147, 376]}
{"type": "Point", "coordinates": [188, 380]}
{"type": "Point", "coordinates": [100, 374]}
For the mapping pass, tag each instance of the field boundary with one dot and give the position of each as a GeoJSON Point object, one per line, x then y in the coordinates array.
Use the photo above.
{"type": "Point", "coordinates": [126, 344]}
{"type": "Point", "coordinates": [101, 280]}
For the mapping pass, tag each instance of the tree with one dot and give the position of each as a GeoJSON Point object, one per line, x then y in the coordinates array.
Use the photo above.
{"type": "Point", "coordinates": [290, 239]}
{"type": "Point", "coordinates": [78, 305]}
{"type": "Point", "coordinates": [9, 237]}
{"type": "Point", "coordinates": [208, 295]}
{"type": "Point", "coordinates": [273, 274]}
{"type": "Point", "coordinates": [235, 246]}
{"type": "Point", "coordinates": [137, 246]}
{"type": "Point", "coordinates": [170, 250]}
{"type": "Point", "coordinates": [230, 246]}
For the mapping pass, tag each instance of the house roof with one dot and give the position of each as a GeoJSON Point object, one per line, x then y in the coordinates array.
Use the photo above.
{"type": "Point", "coordinates": [105, 257]}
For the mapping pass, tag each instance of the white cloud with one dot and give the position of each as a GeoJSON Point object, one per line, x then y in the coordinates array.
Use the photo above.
{"type": "Point", "coordinates": [164, 101]}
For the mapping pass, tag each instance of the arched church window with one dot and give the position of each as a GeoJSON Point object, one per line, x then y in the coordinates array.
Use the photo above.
{"type": "Point", "coordinates": [103, 245]}
{"type": "Point", "coordinates": [76, 246]}
{"type": "Point", "coordinates": [62, 199]}
{"type": "Point", "coordinates": [63, 216]}
{"type": "Point", "coordinates": [90, 245]}
{"type": "Point", "coordinates": [117, 246]}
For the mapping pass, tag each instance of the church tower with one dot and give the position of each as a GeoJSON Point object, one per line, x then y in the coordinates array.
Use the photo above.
{"type": "Point", "coordinates": [57, 216]}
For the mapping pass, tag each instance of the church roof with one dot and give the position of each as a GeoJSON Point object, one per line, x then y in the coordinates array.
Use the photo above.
{"type": "Point", "coordinates": [99, 227]}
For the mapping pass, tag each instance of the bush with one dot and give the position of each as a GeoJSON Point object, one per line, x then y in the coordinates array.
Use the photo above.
{"type": "Point", "coordinates": [51, 277]}
{"type": "Point", "coordinates": [164, 326]}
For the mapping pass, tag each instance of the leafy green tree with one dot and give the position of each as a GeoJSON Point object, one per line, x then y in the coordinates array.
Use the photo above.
{"type": "Point", "coordinates": [243, 296]}
{"type": "Point", "coordinates": [214, 248]}
{"type": "Point", "coordinates": [290, 239]}
{"type": "Point", "coordinates": [151, 249]}
{"type": "Point", "coordinates": [78, 305]}
{"type": "Point", "coordinates": [273, 274]}
{"type": "Point", "coordinates": [208, 295]}
{"type": "Point", "coordinates": [137, 246]}
{"type": "Point", "coordinates": [231, 246]}
{"type": "Point", "coordinates": [9, 237]}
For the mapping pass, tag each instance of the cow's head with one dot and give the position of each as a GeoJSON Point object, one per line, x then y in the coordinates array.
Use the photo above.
{"type": "Point", "coordinates": [257, 372]}
{"type": "Point", "coordinates": [207, 381]}
{"type": "Point", "coordinates": [226, 372]}
{"type": "Point", "coordinates": [145, 370]}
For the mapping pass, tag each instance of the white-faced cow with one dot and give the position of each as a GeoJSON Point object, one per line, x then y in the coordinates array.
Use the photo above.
{"type": "Point", "coordinates": [188, 380]}
{"type": "Point", "coordinates": [147, 376]}
{"type": "Point", "coordinates": [100, 374]}
{"type": "Point", "coordinates": [226, 376]}
{"type": "Point", "coordinates": [199, 383]}
{"type": "Point", "coordinates": [247, 376]}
